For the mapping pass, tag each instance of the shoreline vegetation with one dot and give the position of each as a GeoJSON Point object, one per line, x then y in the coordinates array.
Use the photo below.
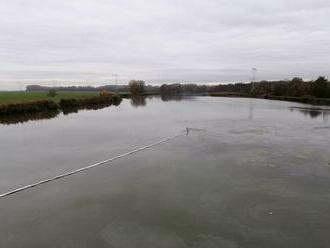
{"type": "Point", "coordinates": [311, 92]}
{"type": "Point", "coordinates": [45, 109]}
{"type": "Point", "coordinates": [62, 105]}
{"type": "Point", "coordinates": [45, 101]}
{"type": "Point", "coordinates": [305, 99]}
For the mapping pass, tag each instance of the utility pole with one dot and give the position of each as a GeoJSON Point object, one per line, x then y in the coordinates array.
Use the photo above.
{"type": "Point", "coordinates": [115, 76]}
{"type": "Point", "coordinates": [254, 72]}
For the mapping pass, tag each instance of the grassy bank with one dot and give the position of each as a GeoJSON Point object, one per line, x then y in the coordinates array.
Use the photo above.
{"type": "Point", "coordinates": [28, 107]}
{"type": "Point", "coordinates": [22, 104]}
{"type": "Point", "coordinates": [96, 102]}
{"type": "Point", "coordinates": [22, 96]}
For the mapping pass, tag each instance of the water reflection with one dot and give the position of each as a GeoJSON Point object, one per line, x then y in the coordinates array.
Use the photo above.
{"type": "Point", "coordinates": [25, 117]}
{"type": "Point", "coordinates": [139, 101]}
{"type": "Point", "coordinates": [312, 112]}
{"type": "Point", "coordinates": [237, 186]}
{"type": "Point", "coordinates": [167, 98]}
{"type": "Point", "coordinates": [251, 110]}
{"type": "Point", "coordinates": [75, 109]}
{"type": "Point", "coordinates": [21, 118]}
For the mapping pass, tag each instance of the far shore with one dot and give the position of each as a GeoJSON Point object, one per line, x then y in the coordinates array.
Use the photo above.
{"type": "Point", "coordinates": [305, 99]}
{"type": "Point", "coordinates": [22, 98]}
{"type": "Point", "coordinates": [42, 99]}
{"type": "Point", "coordinates": [19, 107]}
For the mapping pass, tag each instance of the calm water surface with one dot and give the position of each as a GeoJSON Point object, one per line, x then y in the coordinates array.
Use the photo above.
{"type": "Point", "coordinates": [256, 175]}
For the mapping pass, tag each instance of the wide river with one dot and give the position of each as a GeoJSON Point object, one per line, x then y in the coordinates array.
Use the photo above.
{"type": "Point", "coordinates": [251, 173]}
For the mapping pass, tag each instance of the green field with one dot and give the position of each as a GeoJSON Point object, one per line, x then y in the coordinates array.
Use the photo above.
{"type": "Point", "coordinates": [22, 96]}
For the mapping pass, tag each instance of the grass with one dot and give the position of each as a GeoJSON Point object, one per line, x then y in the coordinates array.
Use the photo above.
{"type": "Point", "coordinates": [23, 97]}
{"type": "Point", "coordinates": [21, 103]}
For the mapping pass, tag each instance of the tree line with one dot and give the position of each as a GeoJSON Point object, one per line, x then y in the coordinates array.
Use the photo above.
{"type": "Point", "coordinates": [109, 88]}
{"type": "Point", "coordinates": [297, 87]}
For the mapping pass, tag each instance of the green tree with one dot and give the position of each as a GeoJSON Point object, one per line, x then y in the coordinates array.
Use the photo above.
{"type": "Point", "coordinates": [320, 87]}
{"type": "Point", "coordinates": [280, 89]}
{"type": "Point", "coordinates": [295, 87]}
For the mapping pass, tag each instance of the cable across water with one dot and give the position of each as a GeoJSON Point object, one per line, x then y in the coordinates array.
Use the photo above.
{"type": "Point", "coordinates": [48, 180]}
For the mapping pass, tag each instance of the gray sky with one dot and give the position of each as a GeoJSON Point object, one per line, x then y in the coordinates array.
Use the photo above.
{"type": "Point", "coordinates": [185, 40]}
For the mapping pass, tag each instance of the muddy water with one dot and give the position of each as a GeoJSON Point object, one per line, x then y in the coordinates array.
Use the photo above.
{"type": "Point", "coordinates": [256, 173]}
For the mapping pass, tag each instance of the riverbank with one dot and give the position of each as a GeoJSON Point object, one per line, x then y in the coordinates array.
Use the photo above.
{"type": "Point", "coordinates": [65, 105]}
{"type": "Point", "coordinates": [25, 103]}
{"type": "Point", "coordinates": [9, 97]}
{"type": "Point", "coordinates": [307, 100]}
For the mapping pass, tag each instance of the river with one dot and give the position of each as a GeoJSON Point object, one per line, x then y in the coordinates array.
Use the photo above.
{"type": "Point", "coordinates": [250, 173]}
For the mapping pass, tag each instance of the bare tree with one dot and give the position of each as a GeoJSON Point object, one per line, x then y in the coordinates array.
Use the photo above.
{"type": "Point", "coordinates": [136, 87]}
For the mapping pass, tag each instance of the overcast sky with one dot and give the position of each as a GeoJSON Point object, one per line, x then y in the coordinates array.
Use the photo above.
{"type": "Point", "coordinates": [185, 40]}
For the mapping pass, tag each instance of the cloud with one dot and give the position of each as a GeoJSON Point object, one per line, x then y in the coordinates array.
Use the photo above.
{"type": "Point", "coordinates": [217, 40]}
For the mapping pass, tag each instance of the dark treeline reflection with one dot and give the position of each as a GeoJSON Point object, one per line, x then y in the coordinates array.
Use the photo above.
{"type": "Point", "coordinates": [66, 109]}
{"type": "Point", "coordinates": [25, 117]}
{"type": "Point", "coordinates": [312, 112]}
{"type": "Point", "coordinates": [167, 98]}
{"type": "Point", "coordinates": [139, 101]}
{"type": "Point", "coordinates": [35, 116]}
{"type": "Point", "coordinates": [75, 109]}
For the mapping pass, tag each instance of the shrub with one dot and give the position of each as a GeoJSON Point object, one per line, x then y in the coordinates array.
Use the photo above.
{"type": "Point", "coordinates": [105, 93]}
{"type": "Point", "coordinates": [116, 100]}
{"type": "Point", "coordinates": [320, 87]}
{"type": "Point", "coordinates": [52, 93]}
{"type": "Point", "coordinates": [68, 103]}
